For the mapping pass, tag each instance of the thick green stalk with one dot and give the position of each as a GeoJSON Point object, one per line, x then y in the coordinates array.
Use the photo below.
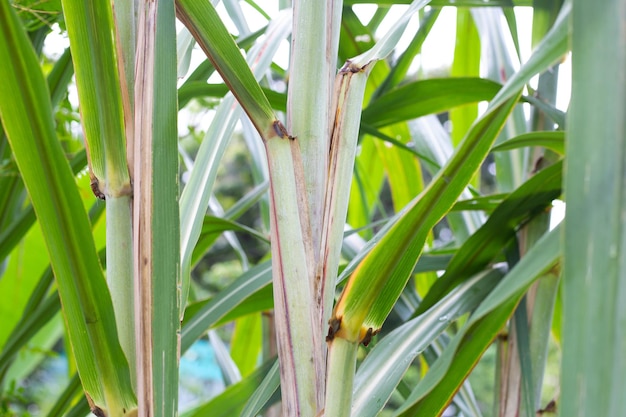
{"type": "Point", "coordinates": [156, 218]}
{"type": "Point", "coordinates": [309, 100]}
{"type": "Point", "coordinates": [120, 272]}
{"type": "Point", "coordinates": [341, 370]}
{"type": "Point", "coordinates": [350, 87]}
{"type": "Point", "coordinates": [315, 38]}
{"type": "Point", "coordinates": [292, 290]}
{"type": "Point", "coordinates": [594, 286]}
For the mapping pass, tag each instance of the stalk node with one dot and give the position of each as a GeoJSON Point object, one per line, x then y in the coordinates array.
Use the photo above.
{"type": "Point", "coordinates": [351, 67]}
{"type": "Point", "coordinates": [368, 336]}
{"type": "Point", "coordinates": [335, 324]}
{"type": "Point", "coordinates": [95, 187]}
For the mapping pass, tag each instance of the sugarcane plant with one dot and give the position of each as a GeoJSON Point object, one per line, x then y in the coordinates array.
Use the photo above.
{"type": "Point", "coordinates": [353, 176]}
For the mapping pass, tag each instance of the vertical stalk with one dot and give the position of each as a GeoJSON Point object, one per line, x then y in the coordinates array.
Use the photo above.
{"type": "Point", "coordinates": [120, 272]}
{"type": "Point", "coordinates": [594, 288]}
{"type": "Point", "coordinates": [315, 40]}
{"type": "Point", "coordinates": [341, 367]}
{"type": "Point", "coordinates": [292, 292]}
{"type": "Point", "coordinates": [156, 218]}
{"type": "Point", "coordinates": [309, 102]}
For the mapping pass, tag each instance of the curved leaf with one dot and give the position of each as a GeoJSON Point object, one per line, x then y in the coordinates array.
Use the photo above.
{"type": "Point", "coordinates": [554, 140]}
{"type": "Point", "coordinates": [420, 98]}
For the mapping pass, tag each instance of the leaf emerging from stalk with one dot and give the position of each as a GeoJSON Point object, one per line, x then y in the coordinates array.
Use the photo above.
{"type": "Point", "coordinates": [207, 27]}
{"type": "Point", "coordinates": [378, 281]}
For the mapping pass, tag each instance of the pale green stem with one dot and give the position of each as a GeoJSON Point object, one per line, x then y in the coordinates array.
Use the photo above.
{"type": "Point", "coordinates": [120, 274]}
{"type": "Point", "coordinates": [350, 87]}
{"type": "Point", "coordinates": [309, 102]}
{"type": "Point", "coordinates": [340, 378]}
{"type": "Point", "coordinates": [292, 292]}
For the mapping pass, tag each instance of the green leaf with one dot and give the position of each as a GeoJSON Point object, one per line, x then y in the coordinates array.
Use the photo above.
{"type": "Point", "coordinates": [246, 343]}
{"type": "Point", "coordinates": [261, 398]}
{"type": "Point", "coordinates": [66, 398]}
{"type": "Point", "coordinates": [26, 115]}
{"type": "Point", "coordinates": [466, 63]}
{"type": "Point", "coordinates": [386, 363]}
{"type": "Point", "coordinates": [553, 46]}
{"type": "Point", "coordinates": [247, 284]}
{"type": "Point", "coordinates": [487, 242]}
{"type": "Point", "coordinates": [374, 287]}
{"type": "Point", "coordinates": [487, 203]}
{"type": "Point", "coordinates": [209, 31]}
{"type": "Point", "coordinates": [420, 98]}
{"type": "Point", "coordinates": [434, 392]}
{"type": "Point", "coordinates": [399, 70]}
{"type": "Point", "coordinates": [553, 140]}
{"type": "Point", "coordinates": [196, 89]}
{"type": "Point", "coordinates": [231, 402]}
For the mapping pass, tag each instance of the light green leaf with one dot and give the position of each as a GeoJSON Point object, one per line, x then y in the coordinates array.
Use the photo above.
{"type": "Point", "coordinates": [366, 301]}
{"type": "Point", "coordinates": [250, 282]}
{"type": "Point", "coordinates": [263, 394]}
{"type": "Point", "coordinates": [529, 200]}
{"type": "Point", "coordinates": [420, 98]}
{"type": "Point", "coordinates": [233, 399]}
{"type": "Point", "coordinates": [386, 363]}
{"type": "Point", "coordinates": [554, 140]}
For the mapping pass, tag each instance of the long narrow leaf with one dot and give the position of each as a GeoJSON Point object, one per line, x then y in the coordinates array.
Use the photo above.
{"type": "Point", "coordinates": [365, 302]}
{"type": "Point", "coordinates": [444, 377]}
{"type": "Point", "coordinates": [206, 26]}
{"type": "Point", "coordinates": [385, 365]}
{"type": "Point", "coordinates": [527, 201]}
{"type": "Point", "coordinates": [27, 119]}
